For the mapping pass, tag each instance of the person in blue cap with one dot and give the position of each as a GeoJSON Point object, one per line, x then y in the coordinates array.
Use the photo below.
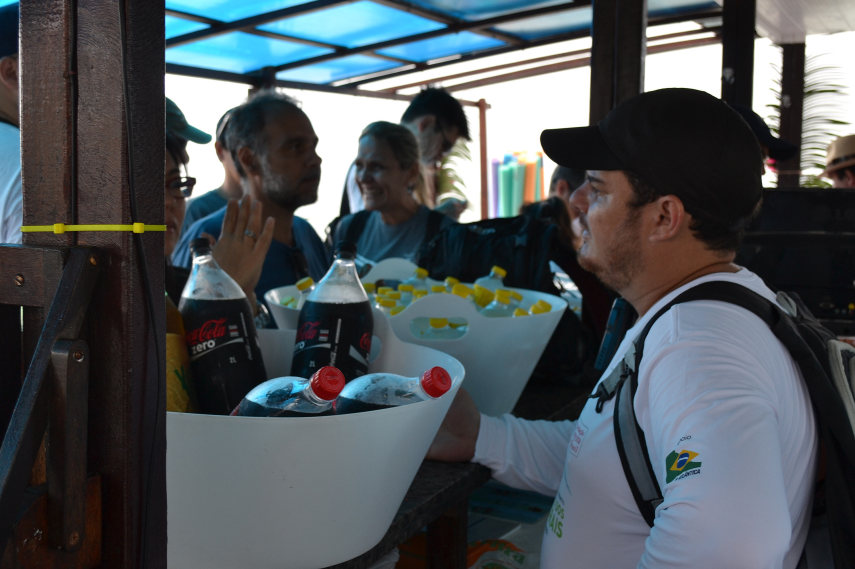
{"type": "Point", "coordinates": [11, 195]}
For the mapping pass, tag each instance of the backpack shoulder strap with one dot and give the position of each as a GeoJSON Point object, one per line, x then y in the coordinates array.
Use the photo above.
{"type": "Point", "coordinates": [630, 440]}
{"type": "Point", "coordinates": [356, 225]}
{"type": "Point", "coordinates": [433, 225]}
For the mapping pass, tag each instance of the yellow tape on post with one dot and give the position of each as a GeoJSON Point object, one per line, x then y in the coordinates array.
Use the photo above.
{"type": "Point", "coordinates": [59, 228]}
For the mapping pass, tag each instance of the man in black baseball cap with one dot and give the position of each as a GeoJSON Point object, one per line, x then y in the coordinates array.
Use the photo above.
{"type": "Point", "coordinates": [672, 178]}
{"type": "Point", "coordinates": [775, 149]}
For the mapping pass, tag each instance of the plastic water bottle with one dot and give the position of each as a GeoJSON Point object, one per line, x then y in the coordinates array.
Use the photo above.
{"type": "Point", "coordinates": [336, 322]}
{"type": "Point", "coordinates": [540, 307]}
{"type": "Point", "coordinates": [305, 285]}
{"type": "Point", "coordinates": [516, 298]}
{"type": "Point", "coordinates": [450, 282]}
{"type": "Point", "coordinates": [419, 279]}
{"type": "Point", "coordinates": [500, 305]}
{"type": "Point", "coordinates": [463, 291]}
{"type": "Point", "coordinates": [383, 390]}
{"type": "Point", "coordinates": [406, 291]}
{"type": "Point", "coordinates": [438, 329]}
{"type": "Point", "coordinates": [385, 305]}
{"type": "Point", "coordinates": [293, 396]}
{"type": "Point", "coordinates": [519, 312]}
{"type": "Point", "coordinates": [494, 280]}
{"type": "Point", "coordinates": [438, 289]}
{"type": "Point", "coordinates": [482, 295]}
{"type": "Point", "coordinates": [225, 359]}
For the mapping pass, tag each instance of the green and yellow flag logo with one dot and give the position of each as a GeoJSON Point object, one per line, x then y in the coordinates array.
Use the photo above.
{"type": "Point", "coordinates": [680, 463]}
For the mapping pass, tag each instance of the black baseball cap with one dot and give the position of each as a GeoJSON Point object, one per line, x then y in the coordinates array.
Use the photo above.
{"type": "Point", "coordinates": [779, 149]}
{"type": "Point", "coordinates": [9, 30]}
{"type": "Point", "coordinates": [681, 142]}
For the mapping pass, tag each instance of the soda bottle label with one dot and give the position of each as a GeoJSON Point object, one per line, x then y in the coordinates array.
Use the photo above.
{"type": "Point", "coordinates": [333, 334]}
{"type": "Point", "coordinates": [224, 356]}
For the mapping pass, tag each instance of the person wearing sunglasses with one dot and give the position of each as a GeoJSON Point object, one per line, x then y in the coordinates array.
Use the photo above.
{"type": "Point", "coordinates": [240, 256]}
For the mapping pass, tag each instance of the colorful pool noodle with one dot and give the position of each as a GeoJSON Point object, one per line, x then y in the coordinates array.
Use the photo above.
{"type": "Point", "coordinates": [493, 197]}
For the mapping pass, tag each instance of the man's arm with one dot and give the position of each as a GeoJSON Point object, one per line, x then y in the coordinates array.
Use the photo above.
{"type": "Point", "coordinates": [456, 438]}
{"type": "Point", "coordinates": [523, 454]}
{"type": "Point", "coordinates": [731, 439]}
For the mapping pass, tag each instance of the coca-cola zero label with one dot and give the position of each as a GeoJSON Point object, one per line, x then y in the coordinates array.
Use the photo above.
{"type": "Point", "coordinates": [333, 334]}
{"type": "Point", "coordinates": [224, 354]}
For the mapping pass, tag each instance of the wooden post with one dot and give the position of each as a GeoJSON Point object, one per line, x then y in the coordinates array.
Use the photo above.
{"type": "Point", "coordinates": [92, 83]}
{"type": "Point", "coordinates": [737, 53]}
{"type": "Point", "coordinates": [602, 59]}
{"type": "Point", "coordinates": [619, 45]}
{"type": "Point", "coordinates": [482, 141]}
{"type": "Point", "coordinates": [792, 107]}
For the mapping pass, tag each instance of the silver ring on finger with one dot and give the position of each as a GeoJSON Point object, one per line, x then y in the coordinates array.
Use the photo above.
{"type": "Point", "coordinates": [251, 234]}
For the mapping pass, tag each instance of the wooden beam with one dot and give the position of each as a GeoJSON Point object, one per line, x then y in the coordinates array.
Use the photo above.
{"type": "Point", "coordinates": [602, 59]}
{"type": "Point", "coordinates": [618, 49]}
{"type": "Point", "coordinates": [737, 77]}
{"type": "Point", "coordinates": [92, 84]}
{"type": "Point", "coordinates": [631, 48]}
{"type": "Point", "coordinates": [792, 107]}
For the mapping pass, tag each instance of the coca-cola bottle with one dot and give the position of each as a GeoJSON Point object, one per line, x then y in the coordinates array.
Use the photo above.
{"type": "Point", "coordinates": [336, 322]}
{"type": "Point", "coordinates": [225, 359]}
{"type": "Point", "coordinates": [382, 390]}
{"type": "Point", "coordinates": [293, 396]}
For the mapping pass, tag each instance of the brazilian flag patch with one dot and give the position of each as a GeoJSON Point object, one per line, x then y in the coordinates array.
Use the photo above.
{"type": "Point", "coordinates": [681, 464]}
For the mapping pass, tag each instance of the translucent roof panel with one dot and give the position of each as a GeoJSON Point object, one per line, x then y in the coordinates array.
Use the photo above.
{"type": "Point", "coordinates": [337, 69]}
{"type": "Point", "coordinates": [666, 7]}
{"type": "Point", "coordinates": [481, 9]}
{"type": "Point", "coordinates": [549, 24]}
{"type": "Point", "coordinates": [179, 26]}
{"type": "Point", "coordinates": [230, 10]}
{"type": "Point", "coordinates": [443, 46]}
{"type": "Point", "coordinates": [353, 25]}
{"type": "Point", "coordinates": [7, 2]}
{"type": "Point", "coordinates": [239, 52]}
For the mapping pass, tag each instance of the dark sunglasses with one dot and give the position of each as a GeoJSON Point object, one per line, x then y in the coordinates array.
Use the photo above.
{"type": "Point", "coordinates": [184, 185]}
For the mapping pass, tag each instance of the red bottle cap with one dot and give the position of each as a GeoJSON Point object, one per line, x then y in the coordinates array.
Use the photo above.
{"type": "Point", "coordinates": [327, 382]}
{"type": "Point", "coordinates": [436, 381]}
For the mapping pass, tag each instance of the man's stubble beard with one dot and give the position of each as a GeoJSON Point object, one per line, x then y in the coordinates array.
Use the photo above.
{"type": "Point", "coordinates": [622, 262]}
{"type": "Point", "coordinates": [281, 192]}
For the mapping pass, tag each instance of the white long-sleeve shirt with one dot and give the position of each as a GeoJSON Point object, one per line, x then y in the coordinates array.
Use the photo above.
{"type": "Point", "coordinates": [731, 437]}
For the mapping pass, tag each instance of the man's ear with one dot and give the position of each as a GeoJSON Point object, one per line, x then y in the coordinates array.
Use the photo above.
{"type": "Point", "coordinates": [9, 73]}
{"type": "Point", "coordinates": [425, 122]}
{"type": "Point", "coordinates": [221, 152]}
{"type": "Point", "coordinates": [669, 218]}
{"type": "Point", "coordinates": [248, 161]}
{"type": "Point", "coordinates": [562, 189]}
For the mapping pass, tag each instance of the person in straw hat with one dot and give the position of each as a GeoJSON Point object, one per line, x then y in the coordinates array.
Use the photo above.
{"type": "Point", "coordinates": [840, 162]}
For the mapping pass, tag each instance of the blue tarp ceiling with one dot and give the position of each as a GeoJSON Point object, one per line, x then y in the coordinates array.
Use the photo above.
{"type": "Point", "coordinates": [346, 43]}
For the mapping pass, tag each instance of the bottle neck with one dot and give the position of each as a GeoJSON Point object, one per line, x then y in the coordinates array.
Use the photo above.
{"type": "Point", "coordinates": [312, 397]}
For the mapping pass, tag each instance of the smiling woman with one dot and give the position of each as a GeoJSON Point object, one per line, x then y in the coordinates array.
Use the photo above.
{"type": "Point", "coordinates": [388, 171]}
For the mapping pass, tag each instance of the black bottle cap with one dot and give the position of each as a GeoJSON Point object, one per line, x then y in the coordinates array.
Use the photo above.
{"type": "Point", "coordinates": [200, 246]}
{"type": "Point", "coordinates": [345, 250]}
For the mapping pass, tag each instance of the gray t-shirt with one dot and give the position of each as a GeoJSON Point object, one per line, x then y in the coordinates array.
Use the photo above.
{"type": "Point", "coordinates": [379, 241]}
